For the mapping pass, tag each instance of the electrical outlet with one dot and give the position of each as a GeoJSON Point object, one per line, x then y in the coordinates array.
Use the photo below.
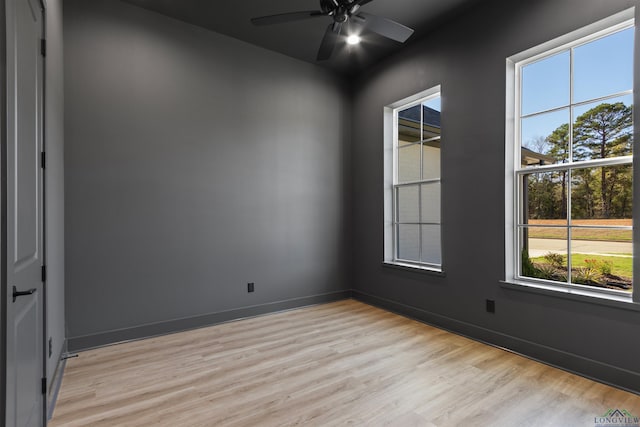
{"type": "Point", "coordinates": [50, 346]}
{"type": "Point", "coordinates": [491, 306]}
{"type": "Point", "coordinates": [250, 287]}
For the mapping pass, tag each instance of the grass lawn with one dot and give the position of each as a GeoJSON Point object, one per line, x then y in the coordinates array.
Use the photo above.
{"type": "Point", "coordinates": [621, 266]}
{"type": "Point", "coordinates": [599, 234]}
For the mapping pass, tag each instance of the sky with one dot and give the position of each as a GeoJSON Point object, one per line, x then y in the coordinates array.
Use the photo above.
{"type": "Point", "coordinates": [601, 68]}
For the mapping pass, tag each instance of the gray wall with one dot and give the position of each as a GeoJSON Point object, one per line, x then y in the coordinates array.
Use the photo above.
{"type": "Point", "coordinates": [467, 57]}
{"type": "Point", "coordinates": [54, 190]}
{"type": "Point", "coordinates": [194, 163]}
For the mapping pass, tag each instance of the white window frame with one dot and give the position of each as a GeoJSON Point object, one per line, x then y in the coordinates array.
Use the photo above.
{"type": "Point", "coordinates": [391, 182]}
{"type": "Point", "coordinates": [514, 172]}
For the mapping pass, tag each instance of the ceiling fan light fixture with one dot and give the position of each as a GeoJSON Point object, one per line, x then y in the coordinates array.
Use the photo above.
{"type": "Point", "coordinates": [342, 13]}
{"type": "Point", "coordinates": [353, 39]}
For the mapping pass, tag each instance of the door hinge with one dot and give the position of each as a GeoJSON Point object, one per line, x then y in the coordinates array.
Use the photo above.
{"type": "Point", "coordinates": [43, 47]}
{"type": "Point", "coordinates": [43, 159]}
{"type": "Point", "coordinates": [44, 385]}
{"type": "Point", "coordinates": [44, 273]}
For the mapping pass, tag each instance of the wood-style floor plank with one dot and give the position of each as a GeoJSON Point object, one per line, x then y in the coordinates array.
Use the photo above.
{"type": "Point", "coordinates": [344, 363]}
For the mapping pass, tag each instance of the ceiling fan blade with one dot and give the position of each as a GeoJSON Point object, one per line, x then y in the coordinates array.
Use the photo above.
{"type": "Point", "coordinates": [329, 41]}
{"type": "Point", "coordinates": [383, 26]}
{"type": "Point", "coordinates": [353, 8]}
{"type": "Point", "coordinates": [286, 17]}
{"type": "Point", "coordinates": [362, 2]}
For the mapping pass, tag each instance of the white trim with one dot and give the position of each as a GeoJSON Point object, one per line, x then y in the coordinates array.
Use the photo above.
{"type": "Point", "coordinates": [413, 100]}
{"type": "Point", "coordinates": [410, 266]}
{"type": "Point", "coordinates": [578, 104]}
{"type": "Point", "coordinates": [573, 293]}
{"type": "Point", "coordinates": [412, 183]}
{"type": "Point", "coordinates": [581, 164]}
{"type": "Point", "coordinates": [636, 155]}
{"type": "Point", "coordinates": [512, 158]}
{"type": "Point", "coordinates": [514, 171]}
{"type": "Point", "coordinates": [391, 145]}
{"type": "Point", "coordinates": [390, 123]}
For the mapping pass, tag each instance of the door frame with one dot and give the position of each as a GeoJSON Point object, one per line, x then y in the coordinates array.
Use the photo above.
{"type": "Point", "coordinates": [3, 214]}
{"type": "Point", "coordinates": [45, 333]}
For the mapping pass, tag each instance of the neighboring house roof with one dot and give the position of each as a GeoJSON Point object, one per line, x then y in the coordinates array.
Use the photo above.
{"type": "Point", "coordinates": [530, 157]}
{"type": "Point", "coordinates": [430, 116]}
{"type": "Point", "coordinates": [409, 125]}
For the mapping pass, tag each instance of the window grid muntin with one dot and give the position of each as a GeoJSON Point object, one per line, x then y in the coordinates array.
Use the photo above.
{"type": "Point", "coordinates": [578, 104]}
{"type": "Point", "coordinates": [570, 166]}
{"type": "Point", "coordinates": [396, 185]}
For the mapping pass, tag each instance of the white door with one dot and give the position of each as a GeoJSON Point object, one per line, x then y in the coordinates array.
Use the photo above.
{"type": "Point", "coordinates": [25, 339]}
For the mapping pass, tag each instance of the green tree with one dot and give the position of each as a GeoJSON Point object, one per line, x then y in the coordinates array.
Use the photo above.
{"type": "Point", "coordinates": [601, 132]}
{"type": "Point", "coordinates": [583, 194]}
{"type": "Point", "coordinates": [559, 148]}
{"type": "Point", "coordinates": [542, 196]}
{"type": "Point", "coordinates": [622, 201]}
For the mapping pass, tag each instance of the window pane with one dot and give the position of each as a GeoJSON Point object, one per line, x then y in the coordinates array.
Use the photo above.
{"type": "Point", "coordinates": [576, 110]}
{"type": "Point", "coordinates": [434, 104]}
{"type": "Point", "coordinates": [603, 129]}
{"type": "Point", "coordinates": [408, 204]}
{"type": "Point", "coordinates": [409, 242]}
{"type": "Point", "coordinates": [431, 244]}
{"type": "Point", "coordinates": [545, 83]}
{"type": "Point", "coordinates": [545, 138]}
{"type": "Point", "coordinates": [604, 66]}
{"type": "Point", "coordinates": [602, 258]}
{"type": "Point", "coordinates": [431, 118]}
{"type": "Point", "coordinates": [430, 134]}
{"type": "Point", "coordinates": [431, 202]}
{"type": "Point", "coordinates": [543, 253]}
{"type": "Point", "coordinates": [409, 163]}
{"type": "Point", "coordinates": [416, 196]}
{"type": "Point", "coordinates": [407, 140]}
{"type": "Point", "coordinates": [431, 160]}
{"type": "Point", "coordinates": [545, 196]}
{"type": "Point", "coordinates": [409, 125]}
{"type": "Point", "coordinates": [620, 236]}
{"type": "Point", "coordinates": [602, 195]}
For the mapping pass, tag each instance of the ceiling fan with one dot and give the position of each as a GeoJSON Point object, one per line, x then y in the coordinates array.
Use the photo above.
{"type": "Point", "coordinates": [341, 11]}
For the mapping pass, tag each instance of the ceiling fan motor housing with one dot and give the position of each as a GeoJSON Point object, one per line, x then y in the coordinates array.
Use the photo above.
{"type": "Point", "coordinates": [327, 6]}
{"type": "Point", "coordinates": [339, 10]}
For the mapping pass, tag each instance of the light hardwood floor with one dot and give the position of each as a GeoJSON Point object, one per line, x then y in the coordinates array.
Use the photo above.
{"type": "Point", "coordinates": [344, 363]}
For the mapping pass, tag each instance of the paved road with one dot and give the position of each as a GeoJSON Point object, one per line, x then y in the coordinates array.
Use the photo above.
{"type": "Point", "coordinates": [539, 247]}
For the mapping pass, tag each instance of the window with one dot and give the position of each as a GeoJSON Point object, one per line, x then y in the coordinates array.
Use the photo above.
{"type": "Point", "coordinates": [570, 161]}
{"type": "Point", "coordinates": [413, 190]}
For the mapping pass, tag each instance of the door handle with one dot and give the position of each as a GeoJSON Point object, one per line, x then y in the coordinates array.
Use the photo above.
{"type": "Point", "coordinates": [17, 293]}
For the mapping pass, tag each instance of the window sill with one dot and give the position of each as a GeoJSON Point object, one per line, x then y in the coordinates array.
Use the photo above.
{"type": "Point", "coordinates": [616, 301]}
{"type": "Point", "coordinates": [413, 268]}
